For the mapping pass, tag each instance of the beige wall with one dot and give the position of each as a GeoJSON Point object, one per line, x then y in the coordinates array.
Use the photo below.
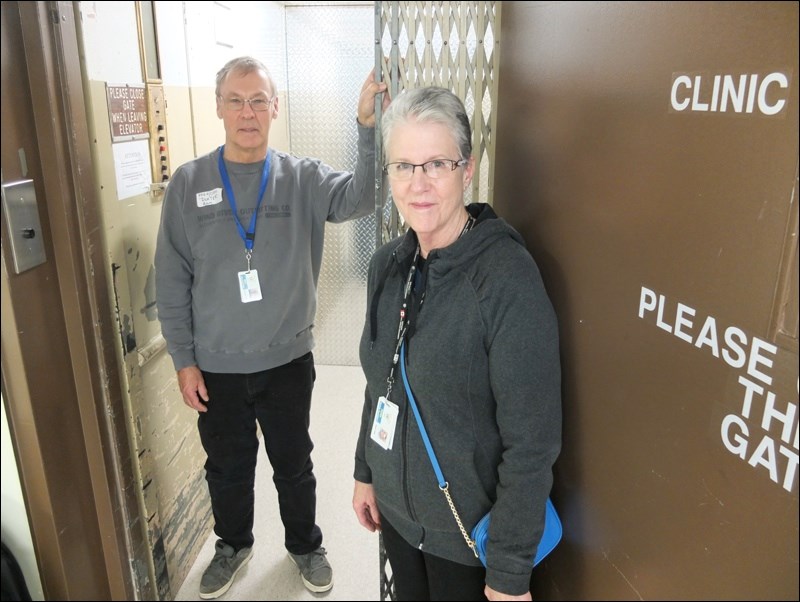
{"type": "Point", "coordinates": [657, 228]}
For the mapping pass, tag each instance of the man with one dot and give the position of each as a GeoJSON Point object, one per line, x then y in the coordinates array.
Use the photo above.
{"type": "Point", "coordinates": [237, 263]}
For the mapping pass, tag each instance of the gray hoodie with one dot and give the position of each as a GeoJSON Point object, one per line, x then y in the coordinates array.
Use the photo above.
{"type": "Point", "coordinates": [483, 364]}
{"type": "Point", "coordinates": [200, 253]}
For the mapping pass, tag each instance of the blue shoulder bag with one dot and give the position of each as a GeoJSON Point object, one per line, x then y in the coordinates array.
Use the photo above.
{"type": "Point", "coordinates": [479, 536]}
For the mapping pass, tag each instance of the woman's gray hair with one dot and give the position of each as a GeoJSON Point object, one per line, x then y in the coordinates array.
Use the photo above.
{"type": "Point", "coordinates": [244, 65]}
{"type": "Point", "coordinates": [430, 105]}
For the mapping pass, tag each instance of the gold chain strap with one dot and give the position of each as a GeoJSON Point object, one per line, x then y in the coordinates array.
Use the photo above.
{"type": "Point", "coordinates": [467, 538]}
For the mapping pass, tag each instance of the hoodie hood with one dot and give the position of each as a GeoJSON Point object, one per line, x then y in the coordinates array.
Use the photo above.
{"type": "Point", "coordinates": [399, 253]}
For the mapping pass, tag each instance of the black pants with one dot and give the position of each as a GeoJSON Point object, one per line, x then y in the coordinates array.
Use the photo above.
{"type": "Point", "coordinates": [421, 576]}
{"type": "Point", "coordinates": [280, 400]}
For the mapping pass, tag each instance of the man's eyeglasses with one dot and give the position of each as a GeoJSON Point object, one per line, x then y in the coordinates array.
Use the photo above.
{"type": "Point", "coordinates": [259, 105]}
{"type": "Point", "coordinates": [438, 168]}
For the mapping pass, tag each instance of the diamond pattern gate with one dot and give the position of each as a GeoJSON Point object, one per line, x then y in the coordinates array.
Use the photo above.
{"type": "Point", "coordinates": [450, 44]}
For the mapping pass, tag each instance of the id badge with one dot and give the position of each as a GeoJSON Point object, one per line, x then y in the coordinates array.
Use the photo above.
{"type": "Point", "coordinates": [249, 288]}
{"type": "Point", "coordinates": [385, 422]}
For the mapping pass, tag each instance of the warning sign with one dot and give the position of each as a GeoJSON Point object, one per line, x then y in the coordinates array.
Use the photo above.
{"type": "Point", "coordinates": [127, 111]}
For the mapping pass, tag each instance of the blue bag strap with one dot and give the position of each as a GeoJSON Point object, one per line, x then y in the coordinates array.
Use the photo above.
{"type": "Point", "coordinates": [552, 527]}
{"type": "Point", "coordinates": [423, 432]}
{"type": "Point", "coordinates": [443, 485]}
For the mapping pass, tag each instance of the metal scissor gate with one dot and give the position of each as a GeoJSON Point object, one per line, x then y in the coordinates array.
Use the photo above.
{"type": "Point", "coordinates": [450, 44]}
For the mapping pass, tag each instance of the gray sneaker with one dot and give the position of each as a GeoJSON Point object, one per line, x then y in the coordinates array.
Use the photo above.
{"type": "Point", "coordinates": [219, 575]}
{"type": "Point", "coordinates": [314, 569]}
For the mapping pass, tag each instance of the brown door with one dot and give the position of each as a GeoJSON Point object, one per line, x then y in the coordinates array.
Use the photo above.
{"type": "Point", "coordinates": [678, 475]}
{"type": "Point", "coordinates": [59, 375]}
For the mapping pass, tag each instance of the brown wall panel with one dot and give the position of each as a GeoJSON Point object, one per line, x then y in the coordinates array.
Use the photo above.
{"type": "Point", "coordinates": [632, 204]}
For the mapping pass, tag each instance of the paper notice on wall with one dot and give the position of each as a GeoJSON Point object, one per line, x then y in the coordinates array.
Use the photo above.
{"type": "Point", "coordinates": [132, 167]}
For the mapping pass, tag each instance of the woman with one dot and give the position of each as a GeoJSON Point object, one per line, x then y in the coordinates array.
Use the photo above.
{"type": "Point", "coordinates": [463, 300]}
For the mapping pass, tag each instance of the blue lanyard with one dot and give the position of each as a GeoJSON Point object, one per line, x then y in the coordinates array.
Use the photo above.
{"type": "Point", "coordinates": [249, 236]}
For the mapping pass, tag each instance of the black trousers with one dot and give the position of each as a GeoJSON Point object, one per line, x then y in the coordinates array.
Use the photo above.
{"type": "Point", "coordinates": [421, 576]}
{"type": "Point", "coordinates": [280, 400]}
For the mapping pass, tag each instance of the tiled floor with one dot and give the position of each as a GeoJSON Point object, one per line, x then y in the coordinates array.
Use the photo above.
{"type": "Point", "coordinates": [352, 550]}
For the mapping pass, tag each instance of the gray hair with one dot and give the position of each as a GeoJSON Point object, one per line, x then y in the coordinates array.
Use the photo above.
{"type": "Point", "coordinates": [243, 65]}
{"type": "Point", "coordinates": [430, 105]}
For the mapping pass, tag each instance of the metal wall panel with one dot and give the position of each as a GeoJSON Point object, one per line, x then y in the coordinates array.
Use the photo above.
{"type": "Point", "coordinates": [330, 50]}
{"type": "Point", "coordinates": [329, 54]}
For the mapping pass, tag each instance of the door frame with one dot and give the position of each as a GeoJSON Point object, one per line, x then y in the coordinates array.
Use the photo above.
{"type": "Point", "coordinates": [121, 568]}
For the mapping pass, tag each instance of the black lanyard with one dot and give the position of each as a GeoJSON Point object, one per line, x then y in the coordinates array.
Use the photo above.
{"type": "Point", "coordinates": [405, 318]}
{"type": "Point", "coordinates": [402, 327]}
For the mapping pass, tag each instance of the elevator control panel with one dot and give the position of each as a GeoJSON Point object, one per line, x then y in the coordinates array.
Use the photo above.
{"type": "Point", "coordinates": [159, 147]}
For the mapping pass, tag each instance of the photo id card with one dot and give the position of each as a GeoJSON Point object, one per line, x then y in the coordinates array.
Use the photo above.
{"type": "Point", "coordinates": [249, 288]}
{"type": "Point", "coordinates": [385, 423]}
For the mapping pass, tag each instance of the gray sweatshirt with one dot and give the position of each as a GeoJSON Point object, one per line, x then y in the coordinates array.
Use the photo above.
{"type": "Point", "coordinates": [483, 364]}
{"type": "Point", "coordinates": [200, 254]}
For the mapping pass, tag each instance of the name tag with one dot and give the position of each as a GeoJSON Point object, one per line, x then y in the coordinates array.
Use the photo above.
{"type": "Point", "coordinates": [385, 422]}
{"type": "Point", "coordinates": [209, 197]}
{"type": "Point", "coordinates": [249, 288]}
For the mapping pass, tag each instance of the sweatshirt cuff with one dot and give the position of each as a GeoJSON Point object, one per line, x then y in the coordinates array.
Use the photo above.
{"type": "Point", "coordinates": [183, 358]}
{"type": "Point", "coordinates": [362, 473]}
{"type": "Point", "coordinates": [366, 135]}
{"type": "Point", "coordinates": [507, 583]}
